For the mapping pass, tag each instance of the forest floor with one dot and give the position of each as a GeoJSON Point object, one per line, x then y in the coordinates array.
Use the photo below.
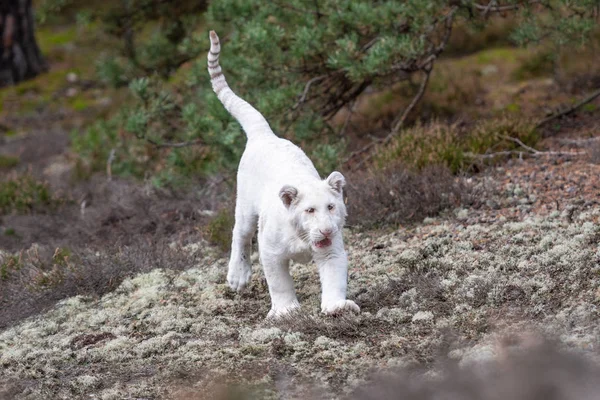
{"type": "Point", "coordinates": [111, 291]}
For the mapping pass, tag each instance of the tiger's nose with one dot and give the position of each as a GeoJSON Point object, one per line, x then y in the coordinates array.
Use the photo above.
{"type": "Point", "coordinates": [326, 232]}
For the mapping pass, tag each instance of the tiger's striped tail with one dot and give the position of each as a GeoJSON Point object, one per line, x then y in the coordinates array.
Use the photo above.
{"type": "Point", "coordinates": [252, 121]}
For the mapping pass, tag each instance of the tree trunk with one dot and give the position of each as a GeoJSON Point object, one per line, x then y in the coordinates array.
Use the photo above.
{"type": "Point", "coordinates": [20, 56]}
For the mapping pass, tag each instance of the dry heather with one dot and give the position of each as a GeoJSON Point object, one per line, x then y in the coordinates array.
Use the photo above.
{"type": "Point", "coordinates": [448, 288]}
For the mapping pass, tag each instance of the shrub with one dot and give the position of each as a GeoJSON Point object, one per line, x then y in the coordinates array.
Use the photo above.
{"type": "Point", "coordinates": [219, 228]}
{"type": "Point", "coordinates": [24, 194]}
{"type": "Point", "coordinates": [536, 64]}
{"type": "Point", "coordinates": [453, 146]}
{"type": "Point", "coordinates": [7, 162]}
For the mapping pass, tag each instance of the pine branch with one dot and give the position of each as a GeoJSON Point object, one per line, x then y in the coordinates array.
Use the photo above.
{"type": "Point", "coordinates": [396, 125]}
{"type": "Point", "coordinates": [426, 66]}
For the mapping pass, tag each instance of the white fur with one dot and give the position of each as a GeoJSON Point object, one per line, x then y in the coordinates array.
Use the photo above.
{"type": "Point", "coordinates": [277, 188]}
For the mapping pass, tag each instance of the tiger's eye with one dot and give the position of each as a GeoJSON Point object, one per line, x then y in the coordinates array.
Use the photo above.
{"type": "Point", "coordinates": [310, 210]}
{"type": "Point", "coordinates": [330, 207]}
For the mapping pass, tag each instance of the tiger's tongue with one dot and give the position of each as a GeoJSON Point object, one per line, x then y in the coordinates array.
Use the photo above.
{"type": "Point", "coordinates": [323, 243]}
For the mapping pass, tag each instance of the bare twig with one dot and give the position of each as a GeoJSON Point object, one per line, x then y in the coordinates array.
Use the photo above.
{"type": "Point", "coordinates": [520, 143]}
{"type": "Point", "coordinates": [569, 110]}
{"type": "Point", "coordinates": [492, 7]}
{"type": "Point", "coordinates": [370, 44]}
{"type": "Point", "coordinates": [489, 6]}
{"type": "Point", "coordinates": [111, 158]}
{"type": "Point", "coordinates": [302, 98]}
{"type": "Point", "coordinates": [174, 145]}
{"type": "Point", "coordinates": [397, 124]}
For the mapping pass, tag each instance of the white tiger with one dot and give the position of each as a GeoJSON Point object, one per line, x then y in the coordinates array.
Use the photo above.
{"type": "Point", "coordinates": [299, 216]}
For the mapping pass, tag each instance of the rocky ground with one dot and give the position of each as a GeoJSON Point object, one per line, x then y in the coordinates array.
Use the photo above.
{"type": "Point", "coordinates": [455, 288]}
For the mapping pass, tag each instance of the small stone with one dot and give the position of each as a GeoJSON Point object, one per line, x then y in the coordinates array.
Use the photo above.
{"type": "Point", "coordinates": [489, 70]}
{"type": "Point", "coordinates": [492, 204]}
{"type": "Point", "coordinates": [72, 77]}
{"type": "Point", "coordinates": [104, 101]}
{"type": "Point", "coordinates": [71, 92]}
{"type": "Point", "coordinates": [462, 214]}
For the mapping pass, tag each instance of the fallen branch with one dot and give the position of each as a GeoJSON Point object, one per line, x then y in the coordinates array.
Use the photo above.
{"type": "Point", "coordinates": [492, 7]}
{"type": "Point", "coordinates": [529, 151]}
{"type": "Point", "coordinates": [569, 110]}
{"type": "Point", "coordinates": [111, 158]}
{"type": "Point", "coordinates": [579, 142]}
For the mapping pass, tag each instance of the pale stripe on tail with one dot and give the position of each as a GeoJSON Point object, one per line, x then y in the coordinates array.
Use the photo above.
{"type": "Point", "coordinates": [253, 123]}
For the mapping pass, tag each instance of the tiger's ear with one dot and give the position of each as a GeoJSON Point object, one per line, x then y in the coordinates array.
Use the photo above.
{"type": "Point", "coordinates": [288, 194]}
{"type": "Point", "coordinates": [337, 181]}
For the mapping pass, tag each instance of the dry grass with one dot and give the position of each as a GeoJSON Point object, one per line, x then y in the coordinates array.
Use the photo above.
{"type": "Point", "coordinates": [34, 280]}
{"type": "Point", "coordinates": [396, 194]}
{"type": "Point", "coordinates": [452, 145]}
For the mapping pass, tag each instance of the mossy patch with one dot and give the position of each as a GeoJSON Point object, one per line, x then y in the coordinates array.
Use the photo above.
{"type": "Point", "coordinates": [51, 37]}
{"type": "Point", "coordinates": [79, 103]}
{"type": "Point", "coordinates": [502, 54]}
{"type": "Point", "coordinates": [10, 232]}
{"type": "Point", "coordinates": [535, 64]}
{"type": "Point", "coordinates": [7, 162]}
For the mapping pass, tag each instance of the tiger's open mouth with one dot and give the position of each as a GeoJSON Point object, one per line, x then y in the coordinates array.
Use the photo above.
{"type": "Point", "coordinates": [323, 243]}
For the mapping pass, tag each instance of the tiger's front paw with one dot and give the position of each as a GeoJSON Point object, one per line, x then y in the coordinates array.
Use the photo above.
{"type": "Point", "coordinates": [340, 306]}
{"type": "Point", "coordinates": [285, 311]}
{"type": "Point", "coordinates": [238, 275]}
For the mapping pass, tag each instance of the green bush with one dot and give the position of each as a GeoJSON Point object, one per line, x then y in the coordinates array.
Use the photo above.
{"type": "Point", "coordinates": [218, 230]}
{"type": "Point", "coordinates": [270, 55]}
{"type": "Point", "coordinates": [537, 64]}
{"type": "Point", "coordinates": [24, 194]}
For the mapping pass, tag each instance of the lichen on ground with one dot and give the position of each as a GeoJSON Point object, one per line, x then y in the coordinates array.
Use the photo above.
{"type": "Point", "coordinates": [450, 286]}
